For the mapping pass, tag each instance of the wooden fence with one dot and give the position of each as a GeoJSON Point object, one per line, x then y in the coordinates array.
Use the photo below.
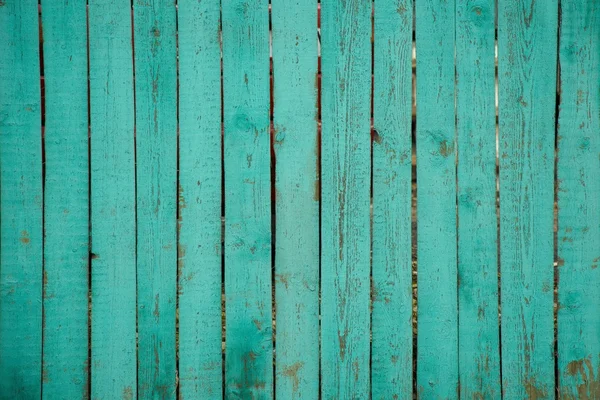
{"type": "Point", "coordinates": [219, 199]}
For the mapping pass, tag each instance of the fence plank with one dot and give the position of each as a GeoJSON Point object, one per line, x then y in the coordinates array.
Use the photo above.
{"type": "Point", "coordinates": [437, 324]}
{"type": "Point", "coordinates": [156, 184]}
{"type": "Point", "coordinates": [391, 373]}
{"type": "Point", "coordinates": [345, 223]}
{"type": "Point", "coordinates": [297, 197]}
{"type": "Point", "coordinates": [527, 91]}
{"type": "Point", "coordinates": [113, 341]}
{"type": "Point", "coordinates": [200, 359]}
{"type": "Point", "coordinates": [478, 335]}
{"type": "Point", "coordinates": [66, 211]}
{"type": "Point", "coordinates": [249, 342]}
{"type": "Point", "coordinates": [579, 201]}
{"type": "Point", "coordinates": [20, 201]}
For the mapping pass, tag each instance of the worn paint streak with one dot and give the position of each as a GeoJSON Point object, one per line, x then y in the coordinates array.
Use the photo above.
{"type": "Point", "coordinates": [345, 197]}
{"type": "Point", "coordinates": [113, 271]}
{"type": "Point", "coordinates": [437, 362]}
{"type": "Point", "coordinates": [20, 202]}
{"type": "Point", "coordinates": [391, 292]}
{"type": "Point", "coordinates": [66, 212]}
{"type": "Point", "coordinates": [578, 234]}
{"type": "Point", "coordinates": [527, 33]}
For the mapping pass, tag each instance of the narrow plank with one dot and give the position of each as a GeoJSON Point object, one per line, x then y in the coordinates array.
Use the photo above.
{"type": "Point", "coordinates": [66, 200]}
{"type": "Point", "coordinates": [249, 342]}
{"type": "Point", "coordinates": [391, 367]}
{"type": "Point", "coordinates": [20, 201]}
{"type": "Point", "coordinates": [113, 334]}
{"type": "Point", "coordinates": [345, 218]}
{"type": "Point", "coordinates": [579, 202]}
{"type": "Point", "coordinates": [478, 336]}
{"type": "Point", "coordinates": [437, 323]}
{"type": "Point", "coordinates": [199, 247]}
{"type": "Point", "coordinates": [295, 117]}
{"type": "Point", "coordinates": [527, 91]}
{"type": "Point", "coordinates": [156, 197]}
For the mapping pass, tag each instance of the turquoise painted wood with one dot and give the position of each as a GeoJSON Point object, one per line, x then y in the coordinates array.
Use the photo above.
{"type": "Point", "coordinates": [199, 246]}
{"type": "Point", "coordinates": [478, 336]}
{"type": "Point", "coordinates": [20, 201]}
{"type": "Point", "coordinates": [392, 351]}
{"type": "Point", "coordinates": [248, 287]}
{"type": "Point", "coordinates": [527, 34]}
{"type": "Point", "coordinates": [113, 320]}
{"type": "Point", "coordinates": [66, 201]}
{"type": "Point", "coordinates": [437, 319]}
{"type": "Point", "coordinates": [156, 195]}
{"type": "Point", "coordinates": [345, 192]}
{"type": "Point", "coordinates": [297, 191]}
{"type": "Point", "coordinates": [579, 202]}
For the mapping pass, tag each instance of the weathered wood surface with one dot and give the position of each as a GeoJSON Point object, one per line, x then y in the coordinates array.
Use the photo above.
{"type": "Point", "coordinates": [247, 159]}
{"type": "Point", "coordinates": [199, 246]}
{"type": "Point", "coordinates": [392, 350]}
{"type": "Point", "coordinates": [297, 191]}
{"type": "Point", "coordinates": [66, 201]}
{"type": "Point", "coordinates": [527, 34]}
{"type": "Point", "coordinates": [478, 336]}
{"type": "Point", "coordinates": [156, 194]}
{"type": "Point", "coordinates": [21, 201]}
{"type": "Point", "coordinates": [113, 274]}
{"type": "Point", "coordinates": [578, 193]}
{"type": "Point", "coordinates": [437, 321]}
{"type": "Point", "coordinates": [345, 195]}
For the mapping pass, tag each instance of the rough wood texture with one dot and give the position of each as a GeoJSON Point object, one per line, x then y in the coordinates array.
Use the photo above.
{"type": "Point", "coordinates": [391, 365]}
{"type": "Point", "coordinates": [478, 336]}
{"type": "Point", "coordinates": [199, 247]}
{"type": "Point", "coordinates": [20, 201]}
{"type": "Point", "coordinates": [345, 214]}
{"type": "Point", "coordinates": [156, 184]}
{"type": "Point", "coordinates": [437, 341]}
{"type": "Point", "coordinates": [66, 201]}
{"type": "Point", "coordinates": [527, 92]}
{"type": "Point", "coordinates": [579, 202]}
{"type": "Point", "coordinates": [249, 342]}
{"type": "Point", "coordinates": [113, 364]}
{"type": "Point", "coordinates": [296, 198]}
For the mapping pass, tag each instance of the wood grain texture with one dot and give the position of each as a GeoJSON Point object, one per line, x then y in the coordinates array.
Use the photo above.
{"type": "Point", "coordinates": [297, 191]}
{"type": "Point", "coordinates": [249, 342]}
{"type": "Point", "coordinates": [345, 213]}
{"type": "Point", "coordinates": [66, 201]}
{"type": "Point", "coordinates": [391, 366]}
{"type": "Point", "coordinates": [20, 201]}
{"type": "Point", "coordinates": [199, 247]}
{"type": "Point", "coordinates": [527, 91]}
{"type": "Point", "coordinates": [579, 202]}
{"type": "Point", "coordinates": [156, 202]}
{"type": "Point", "coordinates": [478, 336]}
{"type": "Point", "coordinates": [437, 323]}
{"type": "Point", "coordinates": [113, 326]}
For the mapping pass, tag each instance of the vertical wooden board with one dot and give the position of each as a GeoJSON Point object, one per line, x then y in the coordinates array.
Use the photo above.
{"type": "Point", "coordinates": [156, 202]}
{"type": "Point", "coordinates": [527, 92]}
{"type": "Point", "coordinates": [113, 334]}
{"type": "Point", "coordinates": [20, 201]}
{"type": "Point", "coordinates": [391, 374]}
{"type": "Point", "coordinates": [66, 200]}
{"type": "Point", "coordinates": [579, 202]}
{"type": "Point", "coordinates": [249, 342]}
{"type": "Point", "coordinates": [295, 118]}
{"type": "Point", "coordinates": [200, 359]}
{"type": "Point", "coordinates": [345, 218]}
{"type": "Point", "coordinates": [437, 324]}
{"type": "Point", "coordinates": [478, 336]}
